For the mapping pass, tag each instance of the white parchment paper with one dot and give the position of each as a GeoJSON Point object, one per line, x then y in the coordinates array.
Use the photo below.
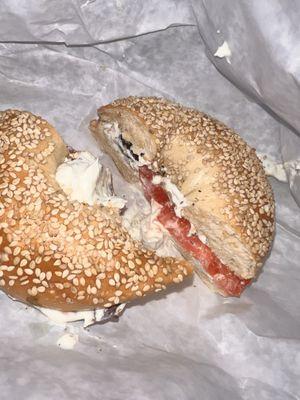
{"type": "Point", "coordinates": [264, 47]}
{"type": "Point", "coordinates": [188, 344]}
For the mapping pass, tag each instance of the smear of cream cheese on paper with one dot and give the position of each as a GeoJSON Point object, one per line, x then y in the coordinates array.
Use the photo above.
{"type": "Point", "coordinates": [272, 168]}
{"type": "Point", "coordinates": [67, 341]}
{"type": "Point", "coordinates": [224, 51]}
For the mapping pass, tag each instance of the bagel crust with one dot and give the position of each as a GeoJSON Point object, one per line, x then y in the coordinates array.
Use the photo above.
{"type": "Point", "coordinates": [63, 254]}
{"type": "Point", "coordinates": [230, 200]}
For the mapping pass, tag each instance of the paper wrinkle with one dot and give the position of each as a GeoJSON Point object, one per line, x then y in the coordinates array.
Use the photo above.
{"type": "Point", "coordinates": [190, 341]}
{"type": "Point", "coordinates": [77, 22]}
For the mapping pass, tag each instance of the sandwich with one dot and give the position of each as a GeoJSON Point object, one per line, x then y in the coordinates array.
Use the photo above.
{"type": "Point", "coordinates": [207, 183]}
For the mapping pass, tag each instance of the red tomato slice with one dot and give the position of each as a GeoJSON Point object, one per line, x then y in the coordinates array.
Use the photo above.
{"type": "Point", "coordinates": [179, 228]}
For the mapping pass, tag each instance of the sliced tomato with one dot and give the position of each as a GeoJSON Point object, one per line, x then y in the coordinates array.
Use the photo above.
{"type": "Point", "coordinates": [179, 228]}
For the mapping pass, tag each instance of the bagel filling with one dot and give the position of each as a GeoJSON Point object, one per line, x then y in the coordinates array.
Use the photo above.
{"type": "Point", "coordinates": [83, 178]}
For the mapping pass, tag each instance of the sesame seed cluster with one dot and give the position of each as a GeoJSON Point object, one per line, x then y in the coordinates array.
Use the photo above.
{"type": "Point", "coordinates": [57, 253]}
{"type": "Point", "coordinates": [239, 179]}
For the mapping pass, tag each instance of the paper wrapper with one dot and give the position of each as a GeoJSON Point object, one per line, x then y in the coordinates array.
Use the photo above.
{"type": "Point", "coordinates": [189, 343]}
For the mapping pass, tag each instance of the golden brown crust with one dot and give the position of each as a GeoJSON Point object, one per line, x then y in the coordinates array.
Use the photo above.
{"type": "Point", "coordinates": [60, 254]}
{"type": "Point", "coordinates": [219, 174]}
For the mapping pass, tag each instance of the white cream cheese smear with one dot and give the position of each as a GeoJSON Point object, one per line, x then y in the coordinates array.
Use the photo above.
{"type": "Point", "coordinates": [84, 179]}
{"type": "Point", "coordinates": [67, 341]}
{"type": "Point", "coordinates": [224, 51]}
{"type": "Point", "coordinates": [177, 197]}
{"type": "Point", "coordinates": [272, 168]}
{"type": "Point", "coordinates": [89, 317]}
{"type": "Point", "coordinates": [61, 318]}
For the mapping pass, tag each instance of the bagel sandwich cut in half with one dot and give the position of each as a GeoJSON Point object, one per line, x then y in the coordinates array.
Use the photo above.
{"type": "Point", "coordinates": [57, 252]}
{"type": "Point", "coordinates": [213, 195]}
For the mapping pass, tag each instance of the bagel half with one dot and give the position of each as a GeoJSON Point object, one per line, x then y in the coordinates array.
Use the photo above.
{"type": "Point", "coordinates": [63, 254]}
{"type": "Point", "coordinates": [226, 197]}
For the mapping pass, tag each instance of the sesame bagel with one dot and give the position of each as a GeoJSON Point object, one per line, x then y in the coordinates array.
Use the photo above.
{"type": "Point", "coordinates": [228, 199]}
{"type": "Point", "coordinates": [63, 254]}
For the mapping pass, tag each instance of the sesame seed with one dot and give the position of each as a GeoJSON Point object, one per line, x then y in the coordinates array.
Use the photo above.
{"type": "Point", "coordinates": [23, 262]}
{"type": "Point", "coordinates": [7, 250]}
{"type": "Point", "coordinates": [131, 264]}
{"type": "Point", "coordinates": [16, 251]}
{"type": "Point", "coordinates": [75, 281]}
{"type": "Point", "coordinates": [28, 271]}
{"type": "Point", "coordinates": [82, 281]}
{"type": "Point", "coordinates": [48, 275]}
{"type": "Point", "coordinates": [88, 272]}
{"type": "Point", "coordinates": [59, 286]}
{"type": "Point", "coordinates": [65, 273]}
{"type": "Point", "coordinates": [98, 283]}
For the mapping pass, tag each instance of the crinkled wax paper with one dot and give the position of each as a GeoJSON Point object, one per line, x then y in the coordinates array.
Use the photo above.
{"type": "Point", "coordinates": [263, 37]}
{"type": "Point", "coordinates": [190, 343]}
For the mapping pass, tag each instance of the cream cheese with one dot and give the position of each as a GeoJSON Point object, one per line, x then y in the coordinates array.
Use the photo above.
{"type": "Point", "coordinates": [272, 168]}
{"type": "Point", "coordinates": [200, 234]}
{"type": "Point", "coordinates": [152, 232]}
{"type": "Point", "coordinates": [84, 179]}
{"type": "Point", "coordinates": [224, 51]}
{"type": "Point", "coordinates": [294, 170]}
{"type": "Point", "coordinates": [142, 225]}
{"type": "Point", "coordinates": [140, 222]}
{"type": "Point", "coordinates": [177, 197]}
{"type": "Point", "coordinates": [67, 341]}
{"type": "Point", "coordinates": [114, 133]}
{"type": "Point", "coordinates": [113, 130]}
{"type": "Point", "coordinates": [89, 317]}
{"type": "Point", "coordinates": [61, 318]}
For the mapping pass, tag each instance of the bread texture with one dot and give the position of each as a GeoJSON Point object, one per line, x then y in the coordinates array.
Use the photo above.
{"type": "Point", "coordinates": [63, 254]}
{"type": "Point", "coordinates": [230, 200]}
